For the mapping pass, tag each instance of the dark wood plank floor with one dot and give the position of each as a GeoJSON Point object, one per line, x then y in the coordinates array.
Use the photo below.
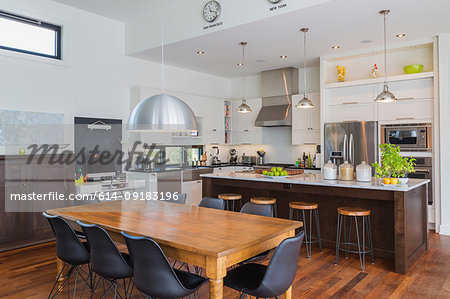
{"type": "Point", "coordinates": [29, 273]}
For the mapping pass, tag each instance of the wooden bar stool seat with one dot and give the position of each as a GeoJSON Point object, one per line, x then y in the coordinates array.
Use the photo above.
{"type": "Point", "coordinates": [266, 201]}
{"type": "Point", "coordinates": [311, 207]}
{"type": "Point", "coordinates": [300, 205]}
{"type": "Point", "coordinates": [353, 214]}
{"type": "Point", "coordinates": [227, 197]}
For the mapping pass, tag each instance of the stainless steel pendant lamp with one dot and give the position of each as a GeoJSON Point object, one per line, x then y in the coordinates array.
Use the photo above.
{"type": "Point", "coordinates": [243, 108]}
{"type": "Point", "coordinates": [385, 96]}
{"type": "Point", "coordinates": [162, 112]}
{"type": "Point", "coordinates": [304, 103]}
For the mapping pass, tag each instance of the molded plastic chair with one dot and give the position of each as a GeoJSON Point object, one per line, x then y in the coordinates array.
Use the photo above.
{"type": "Point", "coordinates": [72, 252]}
{"type": "Point", "coordinates": [153, 275]}
{"type": "Point", "coordinates": [181, 199]}
{"type": "Point", "coordinates": [213, 203]}
{"type": "Point", "coordinates": [106, 260]}
{"type": "Point", "coordinates": [261, 210]}
{"type": "Point", "coordinates": [272, 280]}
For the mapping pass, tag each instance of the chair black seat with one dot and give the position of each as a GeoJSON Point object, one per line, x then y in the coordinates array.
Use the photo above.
{"type": "Point", "coordinates": [246, 277]}
{"type": "Point", "coordinates": [189, 280]}
{"type": "Point", "coordinates": [257, 258]}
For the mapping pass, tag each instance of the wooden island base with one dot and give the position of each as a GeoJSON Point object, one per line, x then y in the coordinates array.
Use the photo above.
{"type": "Point", "coordinates": [398, 218]}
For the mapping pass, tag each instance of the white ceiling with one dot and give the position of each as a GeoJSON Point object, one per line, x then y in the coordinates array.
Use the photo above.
{"type": "Point", "coordinates": [339, 22]}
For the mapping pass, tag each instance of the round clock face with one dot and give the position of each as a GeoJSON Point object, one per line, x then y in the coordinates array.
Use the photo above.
{"type": "Point", "coordinates": [211, 11]}
{"type": "Point", "coordinates": [274, 1]}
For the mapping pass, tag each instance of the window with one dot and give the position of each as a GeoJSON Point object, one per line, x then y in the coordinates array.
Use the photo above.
{"type": "Point", "coordinates": [25, 35]}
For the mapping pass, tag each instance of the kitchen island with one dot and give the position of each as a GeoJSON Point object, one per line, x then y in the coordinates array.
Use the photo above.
{"type": "Point", "coordinates": [398, 213]}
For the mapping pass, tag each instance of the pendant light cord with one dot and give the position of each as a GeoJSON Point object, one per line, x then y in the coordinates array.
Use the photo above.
{"type": "Point", "coordinates": [163, 85]}
{"type": "Point", "coordinates": [243, 72]}
{"type": "Point", "coordinates": [304, 61]}
{"type": "Point", "coordinates": [385, 50]}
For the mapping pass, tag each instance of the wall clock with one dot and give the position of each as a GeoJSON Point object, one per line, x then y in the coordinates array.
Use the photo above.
{"type": "Point", "coordinates": [211, 11]}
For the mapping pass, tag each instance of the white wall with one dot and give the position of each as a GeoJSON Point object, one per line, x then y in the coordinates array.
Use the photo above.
{"type": "Point", "coordinates": [95, 77]}
{"type": "Point", "coordinates": [444, 125]}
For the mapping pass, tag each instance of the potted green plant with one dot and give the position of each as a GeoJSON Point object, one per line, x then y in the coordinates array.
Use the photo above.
{"type": "Point", "coordinates": [393, 165]}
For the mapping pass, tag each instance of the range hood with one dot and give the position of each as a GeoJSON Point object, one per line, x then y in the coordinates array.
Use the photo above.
{"type": "Point", "coordinates": [278, 86]}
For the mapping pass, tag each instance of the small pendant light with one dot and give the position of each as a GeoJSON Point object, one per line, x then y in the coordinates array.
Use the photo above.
{"type": "Point", "coordinates": [162, 112]}
{"type": "Point", "coordinates": [305, 102]}
{"type": "Point", "coordinates": [385, 96]}
{"type": "Point", "coordinates": [243, 108]}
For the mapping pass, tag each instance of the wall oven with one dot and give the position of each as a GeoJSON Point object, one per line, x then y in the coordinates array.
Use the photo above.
{"type": "Point", "coordinates": [409, 137]}
{"type": "Point", "coordinates": [424, 171]}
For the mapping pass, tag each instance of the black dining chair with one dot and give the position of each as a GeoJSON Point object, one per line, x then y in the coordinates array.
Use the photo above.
{"type": "Point", "coordinates": [73, 252]}
{"type": "Point", "coordinates": [153, 275]}
{"type": "Point", "coordinates": [268, 281]}
{"type": "Point", "coordinates": [212, 203]}
{"type": "Point", "coordinates": [181, 198]}
{"type": "Point", "coordinates": [107, 261]}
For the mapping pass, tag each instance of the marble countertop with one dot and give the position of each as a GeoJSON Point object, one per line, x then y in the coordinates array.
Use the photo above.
{"type": "Point", "coordinates": [317, 180]}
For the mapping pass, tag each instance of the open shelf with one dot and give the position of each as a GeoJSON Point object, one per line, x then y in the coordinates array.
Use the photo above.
{"type": "Point", "coordinates": [380, 80]}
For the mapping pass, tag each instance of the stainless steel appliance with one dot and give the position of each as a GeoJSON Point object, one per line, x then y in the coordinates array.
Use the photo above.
{"type": "Point", "coordinates": [351, 141]}
{"type": "Point", "coordinates": [410, 137]}
{"type": "Point", "coordinates": [215, 156]}
{"type": "Point", "coordinates": [233, 156]}
{"type": "Point", "coordinates": [424, 170]}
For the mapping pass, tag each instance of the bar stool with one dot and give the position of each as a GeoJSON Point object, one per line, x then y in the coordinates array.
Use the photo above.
{"type": "Point", "coordinates": [227, 197]}
{"type": "Point", "coordinates": [353, 213]}
{"type": "Point", "coordinates": [309, 238]}
{"type": "Point", "coordinates": [266, 201]}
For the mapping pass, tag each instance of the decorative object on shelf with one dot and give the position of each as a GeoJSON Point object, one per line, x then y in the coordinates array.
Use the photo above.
{"type": "Point", "coordinates": [341, 73]}
{"type": "Point", "coordinates": [385, 96]}
{"type": "Point", "coordinates": [375, 72]}
{"type": "Point", "coordinates": [162, 112]}
{"type": "Point", "coordinates": [393, 166]}
{"type": "Point", "coordinates": [261, 156]}
{"type": "Point", "coordinates": [413, 68]}
{"type": "Point", "coordinates": [243, 108]}
{"type": "Point", "coordinates": [363, 172]}
{"type": "Point", "coordinates": [211, 11]}
{"type": "Point", "coordinates": [305, 102]}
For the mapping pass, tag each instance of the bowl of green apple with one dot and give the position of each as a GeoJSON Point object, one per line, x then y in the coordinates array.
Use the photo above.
{"type": "Point", "coordinates": [275, 173]}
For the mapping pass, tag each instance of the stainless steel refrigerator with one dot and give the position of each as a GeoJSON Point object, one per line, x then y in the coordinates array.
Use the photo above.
{"type": "Point", "coordinates": [351, 141]}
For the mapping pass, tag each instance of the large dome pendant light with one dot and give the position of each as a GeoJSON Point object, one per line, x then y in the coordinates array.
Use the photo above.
{"type": "Point", "coordinates": [305, 102]}
{"type": "Point", "coordinates": [385, 96]}
{"type": "Point", "coordinates": [162, 112]}
{"type": "Point", "coordinates": [243, 108]}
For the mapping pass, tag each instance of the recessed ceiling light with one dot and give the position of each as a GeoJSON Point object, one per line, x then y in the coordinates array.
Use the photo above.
{"type": "Point", "coordinates": [400, 35]}
{"type": "Point", "coordinates": [240, 64]}
{"type": "Point", "coordinates": [335, 47]}
{"type": "Point", "coordinates": [200, 52]}
{"type": "Point", "coordinates": [283, 56]}
{"type": "Point", "coordinates": [366, 41]}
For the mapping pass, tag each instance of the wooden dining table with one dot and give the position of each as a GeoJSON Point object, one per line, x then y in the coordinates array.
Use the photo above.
{"type": "Point", "coordinates": [208, 238]}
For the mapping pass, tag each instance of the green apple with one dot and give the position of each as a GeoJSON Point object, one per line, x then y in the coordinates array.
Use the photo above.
{"type": "Point", "coordinates": [279, 169]}
{"type": "Point", "coordinates": [285, 173]}
{"type": "Point", "coordinates": [264, 172]}
{"type": "Point", "coordinates": [273, 169]}
{"type": "Point", "coordinates": [277, 173]}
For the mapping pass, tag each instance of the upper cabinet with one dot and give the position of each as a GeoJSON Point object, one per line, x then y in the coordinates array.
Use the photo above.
{"type": "Point", "coordinates": [244, 129]}
{"type": "Point", "coordinates": [306, 122]}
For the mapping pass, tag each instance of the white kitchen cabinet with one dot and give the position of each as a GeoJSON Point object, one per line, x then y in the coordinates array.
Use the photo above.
{"type": "Point", "coordinates": [244, 129]}
{"type": "Point", "coordinates": [351, 112]}
{"type": "Point", "coordinates": [410, 90]}
{"type": "Point", "coordinates": [306, 122]}
{"type": "Point", "coordinates": [351, 95]}
{"type": "Point", "coordinates": [213, 129]}
{"type": "Point", "coordinates": [406, 110]}
{"type": "Point", "coordinates": [193, 189]}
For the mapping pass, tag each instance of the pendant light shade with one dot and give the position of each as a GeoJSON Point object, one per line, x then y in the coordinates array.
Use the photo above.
{"type": "Point", "coordinates": [385, 96]}
{"type": "Point", "coordinates": [243, 108]}
{"type": "Point", "coordinates": [305, 102]}
{"type": "Point", "coordinates": [162, 113]}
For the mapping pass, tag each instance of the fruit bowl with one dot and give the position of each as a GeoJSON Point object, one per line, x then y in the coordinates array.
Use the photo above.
{"type": "Point", "coordinates": [276, 177]}
{"type": "Point", "coordinates": [413, 68]}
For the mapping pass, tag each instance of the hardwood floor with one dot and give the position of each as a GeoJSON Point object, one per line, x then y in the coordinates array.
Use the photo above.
{"type": "Point", "coordinates": [29, 273]}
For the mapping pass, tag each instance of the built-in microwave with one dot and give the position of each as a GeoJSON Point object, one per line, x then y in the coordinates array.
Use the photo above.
{"type": "Point", "coordinates": [409, 137]}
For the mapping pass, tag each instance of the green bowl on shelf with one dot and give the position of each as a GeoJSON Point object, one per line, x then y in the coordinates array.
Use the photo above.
{"type": "Point", "coordinates": [413, 68]}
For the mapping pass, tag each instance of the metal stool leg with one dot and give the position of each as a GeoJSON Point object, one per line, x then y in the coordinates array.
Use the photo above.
{"type": "Point", "coordinates": [290, 213]}
{"type": "Point", "coordinates": [349, 236]}
{"type": "Point", "coordinates": [338, 236]}
{"type": "Point", "coordinates": [316, 212]}
{"type": "Point", "coordinates": [344, 226]}
{"type": "Point", "coordinates": [369, 235]}
{"type": "Point", "coordinates": [364, 239]}
{"type": "Point", "coordinates": [359, 246]}
{"type": "Point", "coordinates": [274, 207]}
{"type": "Point", "coordinates": [233, 205]}
{"type": "Point", "coordinates": [305, 229]}
{"type": "Point", "coordinates": [310, 232]}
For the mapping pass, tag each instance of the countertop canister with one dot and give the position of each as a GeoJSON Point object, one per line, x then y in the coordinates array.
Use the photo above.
{"type": "Point", "coordinates": [329, 171]}
{"type": "Point", "coordinates": [363, 172]}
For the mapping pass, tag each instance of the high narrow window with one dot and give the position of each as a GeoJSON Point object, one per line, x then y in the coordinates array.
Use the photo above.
{"type": "Point", "coordinates": [30, 36]}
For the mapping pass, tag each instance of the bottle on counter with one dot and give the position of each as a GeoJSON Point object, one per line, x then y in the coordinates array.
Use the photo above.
{"type": "Point", "coordinates": [329, 171]}
{"type": "Point", "coordinates": [346, 171]}
{"type": "Point", "coordinates": [363, 172]}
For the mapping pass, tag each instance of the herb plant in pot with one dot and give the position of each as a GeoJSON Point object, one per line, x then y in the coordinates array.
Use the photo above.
{"type": "Point", "coordinates": [393, 166]}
